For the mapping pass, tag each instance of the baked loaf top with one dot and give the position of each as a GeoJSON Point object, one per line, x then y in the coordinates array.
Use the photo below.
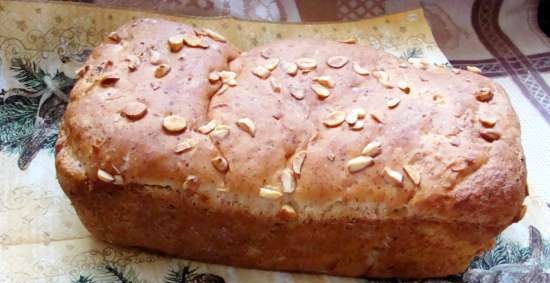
{"type": "Point", "coordinates": [304, 129]}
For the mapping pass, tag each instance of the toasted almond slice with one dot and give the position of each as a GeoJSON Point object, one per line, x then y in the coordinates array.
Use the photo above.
{"type": "Point", "coordinates": [232, 82]}
{"type": "Point", "coordinates": [325, 81]}
{"type": "Point", "coordinates": [403, 65]}
{"type": "Point", "coordinates": [404, 86]}
{"type": "Point", "coordinates": [133, 62]}
{"type": "Point", "coordinates": [287, 181]}
{"type": "Point", "coordinates": [335, 118]}
{"type": "Point", "coordinates": [175, 42]}
{"type": "Point", "coordinates": [134, 110]}
{"type": "Point", "coordinates": [184, 146]}
{"type": "Point", "coordinates": [220, 132]}
{"type": "Point", "coordinates": [297, 91]}
{"type": "Point", "coordinates": [360, 70]}
{"type": "Point", "coordinates": [489, 135]}
{"type": "Point", "coordinates": [261, 72]}
{"type": "Point", "coordinates": [377, 116]}
{"type": "Point", "coordinates": [359, 125]}
{"type": "Point", "coordinates": [488, 121]}
{"type": "Point", "coordinates": [484, 94]}
{"type": "Point", "coordinates": [247, 125]}
{"type": "Point", "coordinates": [174, 123]}
{"type": "Point", "coordinates": [337, 61]}
{"type": "Point", "coordinates": [207, 128]}
{"type": "Point", "coordinates": [227, 76]}
{"type": "Point", "coordinates": [220, 164]}
{"type": "Point", "coordinates": [393, 176]}
{"type": "Point", "coordinates": [214, 76]}
{"type": "Point", "coordinates": [392, 103]}
{"type": "Point", "coordinates": [266, 53]}
{"type": "Point", "coordinates": [349, 40]}
{"type": "Point", "coordinates": [222, 89]}
{"type": "Point", "coordinates": [306, 63]}
{"type": "Point", "coordinates": [190, 182]}
{"type": "Point", "coordinates": [412, 174]}
{"type": "Point", "coordinates": [270, 192]}
{"type": "Point", "coordinates": [298, 161]}
{"type": "Point", "coordinates": [192, 40]}
{"type": "Point", "coordinates": [109, 79]}
{"type": "Point", "coordinates": [359, 163]}
{"type": "Point", "coordinates": [271, 63]}
{"type": "Point", "coordinates": [288, 210]}
{"type": "Point", "coordinates": [214, 35]}
{"type": "Point", "coordinates": [321, 91]}
{"type": "Point", "coordinates": [105, 176]}
{"type": "Point", "coordinates": [456, 71]}
{"type": "Point", "coordinates": [154, 57]}
{"type": "Point", "coordinates": [381, 76]}
{"type": "Point", "coordinates": [161, 70]}
{"type": "Point", "coordinates": [275, 85]}
{"type": "Point", "coordinates": [290, 68]}
{"type": "Point", "coordinates": [113, 36]}
{"type": "Point", "coordinates": [222, 190]}
{"type": "Point", "coordinates": [118, 180]}
{"type": "Point", "coordinates": [372, 149]}
{"type": "Point", "coordinates": [459, 165]}
{"type": "Point", "coordinates": [352, 117]}
{"type": "Point", "coordinates": [473, 69]}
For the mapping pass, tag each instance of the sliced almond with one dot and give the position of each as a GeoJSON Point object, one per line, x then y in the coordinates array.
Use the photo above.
{"type": "Point", "coordinates": [266, 53]}
{"type": "Point", "coordinates": [288, 210]}
{"type": "Point", "coordinates": [412, 174]}
{"type": "Point", "coordinates": [220, 164]}
{"type": "Point", "coordinates": [113, 36]}
{"type": "Point", "coordinates": [154, 57]}
{"type": "Point", "coordinates": [359, 163]}
{"type": "Point", "coordinates": [207, 128]}
{"type": "Point", "coordinates": [227, 76]}
{"type": "Point", "coordinates": [459, 165]}
{"type": "Point", "coordinates": [290, 68]}
{"type": "Point", "coordinates": [325, 81]}
{"type": "Point", "coordinates": [484, 94]}
{"type": "Point", "coordinates": [359, 125]}
{"type": "Point", "coordinates": [335, 119]}
{"type": "Point", "coordinates": [337, 61]}
{"type": "Point", "coordinates": [269, 192]}
{"type": "Point", "coordinates": [360, 70]}
{"type": "Point", "coordinates": [393, 176]}
{"type": "Point", "coordinates": [403, 65]}
{"type": "Point", "coordinates": [271, 63]}
{"type": "Point", "coordinates": [473, 69]}
{"type": "Point", "coordinates": [109, 79]}
{"type": "Point", "coordinates": [392, 103]}
{"type": "Point", "coordinates": [297, 91]}
{"type": "Point", "coordinates": [118, 180]}
{"type": "Point", "coordinates": [220, 132]}
{"type": "Point", "coordinates": [352, 117]}
{"type": "Point", "coordinates": [361, 113]}
{"type": "Point", "coordinates": [222, 89]}
{"type": "Point", "coordinates": [321, 91]}
{"type": "Point", "coordinates": [306, 64]}
{"type": "Point", "coordinates": [372, 149]}
{"type": "Point", "coordinates": [192, 40]}
{"type": "Point", "coordinates": [190, 182]}
{"type": "Point", "coordinates": [184, 146]}
{"type": "Point", "coordinates": [247, 125]}
{"type": "Point", "coordinates": [349, 40]}
{"type": "Point", "coordinates": [175, 42]}
{"type": "Point", "coordinates": [489, 135]}
{"type": "Point", "coordinates": [298, 161]}
{"type": "Point", "coordinates": [134, 110]}
{"type": "Point", "coordinates": [404, 86]}
{"type": "Point", "coordinates": [456, 71]}
{"type": "Point", "coordinates": [381, 75]}
{"type": "Point", "coordinates": [105, 176]}
{"type": "Point", "coordinates": [161, 70]}
{"type": "Point", "coordinates": [133, 62]}
{"type": "Point", "coordinates": [214, 76]}
{"type": "Point", "coordinates": [377, 116]}
{"type": "Point", "coordinates": [214, 35]}
{"type": "Point", "coordinates": [261, 72]}
{"type": "Point", "coordinates": [174, 123]}
{"type": "Point", "coordinates": [287, 181]}
{"type": "Point", "coordinates": [488, 121]}
{"type": "Point", "coordinates": [231, 83]}
{"type": "Point", "coordinates": [275, 85]}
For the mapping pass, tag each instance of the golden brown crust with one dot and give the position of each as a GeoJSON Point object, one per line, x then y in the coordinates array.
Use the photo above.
{"type": "Point", "coordinates": [447, 177]}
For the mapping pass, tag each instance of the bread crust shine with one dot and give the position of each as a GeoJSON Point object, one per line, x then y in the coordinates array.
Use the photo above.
{"type": "Point", "coordinates": [432, 169]}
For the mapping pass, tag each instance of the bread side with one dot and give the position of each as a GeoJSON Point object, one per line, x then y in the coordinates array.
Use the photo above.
{"type": "Point", "coordinates": [433, 167]}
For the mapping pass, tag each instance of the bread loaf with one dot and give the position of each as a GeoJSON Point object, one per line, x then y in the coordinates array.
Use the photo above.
{"type": "Point", "coordinates": [300, 155]}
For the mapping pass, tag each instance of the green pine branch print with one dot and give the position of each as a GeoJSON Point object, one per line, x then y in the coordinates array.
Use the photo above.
{"type": "Point", "coordinates": [28, 73]}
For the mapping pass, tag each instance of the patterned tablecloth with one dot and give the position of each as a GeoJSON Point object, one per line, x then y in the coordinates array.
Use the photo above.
{"type": "Point", "coordinates": [42, 44]}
